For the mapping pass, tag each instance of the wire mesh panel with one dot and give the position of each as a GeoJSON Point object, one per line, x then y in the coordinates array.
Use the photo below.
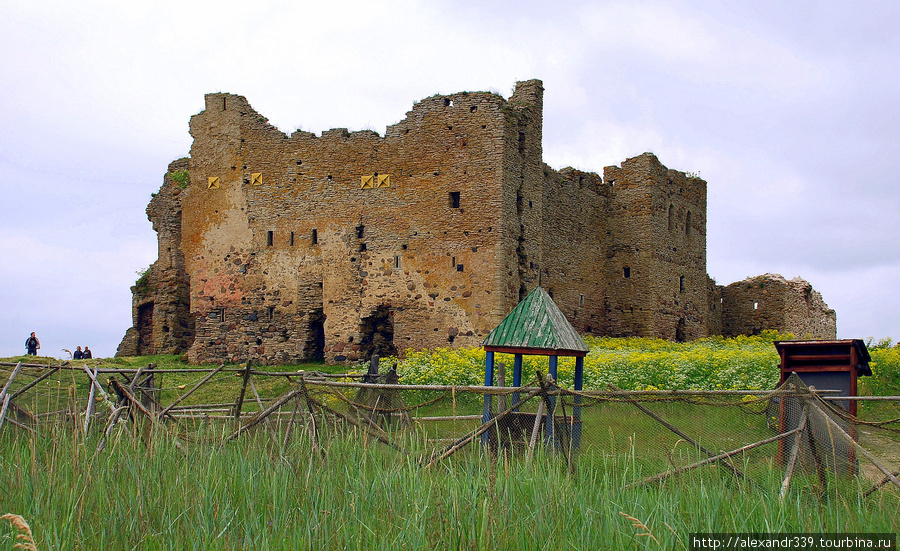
{"type": "Point", "coordinates": [648, 436]}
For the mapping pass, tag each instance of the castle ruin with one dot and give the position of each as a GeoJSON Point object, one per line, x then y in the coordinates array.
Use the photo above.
{"type": "Point", "coordinates": [285, 248]}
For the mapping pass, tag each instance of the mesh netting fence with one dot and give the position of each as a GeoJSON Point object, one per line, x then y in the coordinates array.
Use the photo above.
{"type": "Point", "coordinates": [649, 436]}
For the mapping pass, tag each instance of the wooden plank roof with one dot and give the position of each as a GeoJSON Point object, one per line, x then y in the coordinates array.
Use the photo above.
{"type": "Point", "coordinates": [536, 326]}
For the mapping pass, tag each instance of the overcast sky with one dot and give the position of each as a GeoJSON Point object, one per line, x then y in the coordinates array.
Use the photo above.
{"type": "Point", "coordinates": [789, 110]}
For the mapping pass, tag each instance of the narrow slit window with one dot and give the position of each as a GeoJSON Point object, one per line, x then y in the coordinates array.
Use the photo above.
{"type": "Point", "coordinates": [292, 239]}
{"type": "Point", "coordinates": [396, 261]}
{"type": "Point", "coordinates": [315, 237]}
{"type": "Point", "coordinates": [270, 238]}
{"type": "Point", "coordinates": [681, 284]}
{"type": "Point", "coordinates": [581, 301]}
{"type": "Point", "coordinates": [271, 313]}
{"type": "Point", "coordinates": [360, 231]}
{"type": "Point", "coordinates": [454, 199]}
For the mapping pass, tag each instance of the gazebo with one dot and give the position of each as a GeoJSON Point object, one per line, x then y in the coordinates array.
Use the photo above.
{"type": "Point", "coordinates": [536, 326]}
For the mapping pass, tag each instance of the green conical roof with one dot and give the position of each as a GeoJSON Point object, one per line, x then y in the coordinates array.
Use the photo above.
{"type": "Point", "coordinates": [536, 324]}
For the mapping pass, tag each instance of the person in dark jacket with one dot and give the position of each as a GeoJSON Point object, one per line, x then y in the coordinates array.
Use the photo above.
{"type": "Point", "coordinates": [78, 354]}
{"type": "Point", "coordinates": [87, 355]}
{"type": "Point", "coordinates": [32, 344]}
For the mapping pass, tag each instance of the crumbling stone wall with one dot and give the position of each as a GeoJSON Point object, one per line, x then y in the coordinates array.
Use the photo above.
{"type": "Point", "coordinates": [285, 248]}
{"type": "Point", "coordinates": [416, 227]}
{"type": "Point", "coordinates": [657, 252]}
{"type": "Point", "coordinates": [770, 301]}
{"type": "Point", "coordinates": [160, 298]}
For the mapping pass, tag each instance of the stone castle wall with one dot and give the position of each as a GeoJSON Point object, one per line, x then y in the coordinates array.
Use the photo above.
{"type": "Point", "coordinates": [770, 301]}
{"type": "Point", "coordinates": [285, 248]}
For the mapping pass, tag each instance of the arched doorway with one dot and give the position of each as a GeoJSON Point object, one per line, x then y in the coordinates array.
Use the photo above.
{"type": "Point", "coordinates": [377, 334]}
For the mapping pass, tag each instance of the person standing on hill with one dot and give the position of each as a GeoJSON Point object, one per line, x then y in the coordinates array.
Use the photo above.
{"type": "Point", "coordinates": [78, 354]}
{"type": "Point", "coordinates": [87, 355]}
{"type": "Point", "coordinates": [32, 344]}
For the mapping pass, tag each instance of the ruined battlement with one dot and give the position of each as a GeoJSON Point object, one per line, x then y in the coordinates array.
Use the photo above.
{"type": "Point", "coordinates": [283, 248]}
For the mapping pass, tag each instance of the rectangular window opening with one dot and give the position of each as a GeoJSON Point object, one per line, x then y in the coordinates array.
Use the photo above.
{"type": "Point", "coordinates": [396, 261]}
{"type": "Point", "coordinates": [270, 238]}
{"type": "Point", "coordinates": [360, 231]}
{"type": "Point", "coordinates": [681, 284]}
{"type": "Point", "coordinates": [315, 237]}
{"type": "Point", "coordinates": [581, 301]}
{"type": "Point", "coordinates": [271, 313]}
{"type": "Point", "coordinates": [459, 268]}
{"type": "Point", "coordinates": [626, 271]}
{"type": "Point", "coordinates": [454, 199]}
{"type": "Point", "coordinates": [292, 239]}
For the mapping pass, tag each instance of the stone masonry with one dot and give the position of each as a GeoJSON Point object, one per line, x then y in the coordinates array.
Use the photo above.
{"type": "Point", "coordinates": [285, 248]}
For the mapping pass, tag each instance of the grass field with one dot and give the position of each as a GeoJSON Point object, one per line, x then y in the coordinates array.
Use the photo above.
{"type": "Point", "coordinates": [266, 491]}
{"type": "Point", "coordinates": [258, 493]}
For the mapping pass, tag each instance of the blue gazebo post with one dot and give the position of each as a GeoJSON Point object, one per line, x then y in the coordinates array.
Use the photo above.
{"type": "Point", "coordinates": [517, 377]}
{"type": "Point", "coordinates": [551, 411]}
{"type": "Point", "coordinates": [488, 381]}
{"type": "Point", "coordinates": [579, 384]}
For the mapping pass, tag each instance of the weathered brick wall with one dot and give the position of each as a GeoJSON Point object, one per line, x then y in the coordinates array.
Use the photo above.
{"type": "Point", "coordinates": [426, 252]}
{"type": "Point", "coordinates": [575, 240]}
{"type": "Point", "coordinates": [656, 262]}
{"type": "Point", "coordinates": [161, 301]}
{"type": "Point", "coordinates": [772, 302]}
{"type": "Point", "coordinates": [285, 248]}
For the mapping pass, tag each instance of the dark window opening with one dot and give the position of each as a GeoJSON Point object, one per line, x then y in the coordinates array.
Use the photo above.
{"type": "Point", "coordinates": [396, 261]}
{"type": "Point", "coordinates": [626, 271]}
{"type": "Point", "coordinates": [292, 239]}
{"type": "Point", "coordinates": [459, 268]}
{"type": "Point", "coordinates": [315, 237]}
{"type": "Point", "coordinates": [224, 104]}
{"type": "Point", "coordinates": [581, 301]}
{"type": "Point", "coordinates": [362, 247]}
{"type": "Point", "coordinates": [271, 313]}
{"type": "Point", "coordinates": [453, 262]}
{"type": "Point", "coordinates": [454, 199]}
{"type": "Point", "coordinates": [165, 328]}
{"type": "Point", "coordinates": [270, 238]}
{"type": "Point", "coordinates": [681, 284]}
{"type": "Point", "coordinates": [360, 231]}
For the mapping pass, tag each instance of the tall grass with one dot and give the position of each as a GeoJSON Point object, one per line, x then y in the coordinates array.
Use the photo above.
{"type": "Point", "coordinates": [257, 493]}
